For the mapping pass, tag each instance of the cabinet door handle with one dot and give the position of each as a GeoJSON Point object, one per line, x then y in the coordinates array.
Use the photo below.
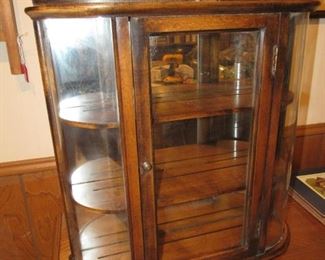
{"type": "Point", "coordinates": [146, 166]}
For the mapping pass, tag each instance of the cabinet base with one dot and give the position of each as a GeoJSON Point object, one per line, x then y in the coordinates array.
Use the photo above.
{"type": "Point", "coordinates": [280, 247]}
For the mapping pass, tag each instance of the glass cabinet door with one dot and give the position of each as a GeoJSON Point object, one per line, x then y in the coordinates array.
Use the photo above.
{"type": "Point", "coordinates": [85, 112]}
{"type": "Point", "coordinates": [206, 84]}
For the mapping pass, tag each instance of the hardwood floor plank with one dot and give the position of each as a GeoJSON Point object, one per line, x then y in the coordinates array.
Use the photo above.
{"type": "Point", "coordinates": [307, 235]}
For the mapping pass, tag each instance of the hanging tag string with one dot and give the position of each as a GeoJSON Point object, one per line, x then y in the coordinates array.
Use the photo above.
{"type": "Point", "coordinates": [23, 66]}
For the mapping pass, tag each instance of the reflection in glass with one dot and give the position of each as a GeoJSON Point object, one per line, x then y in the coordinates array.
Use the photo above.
{"type": "Point", "coordinates": [286, 131]}
{"type": "Point", "coordinates": [203, 95]}
{"type": "Point", "coordinates": [83, 60]}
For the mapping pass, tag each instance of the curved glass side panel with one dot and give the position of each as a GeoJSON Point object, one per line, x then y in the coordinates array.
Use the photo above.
{"type": "Point", "coordinates": [286, 132]}
{"type": "Point", "coordinates": [82, 55]}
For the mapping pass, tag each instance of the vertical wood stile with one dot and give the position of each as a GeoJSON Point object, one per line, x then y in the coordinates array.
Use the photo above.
{"type": "Point", "coordinates": [129, 135]}
{"type": "Point", "coordinates": [142, 93]}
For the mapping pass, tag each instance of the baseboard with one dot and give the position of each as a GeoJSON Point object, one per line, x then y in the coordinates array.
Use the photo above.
{"type": "Point", "coordinates": [27, 166]}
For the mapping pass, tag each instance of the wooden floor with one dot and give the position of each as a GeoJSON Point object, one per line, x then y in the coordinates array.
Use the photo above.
{"type": "Point", "coordinates": [307, 236]}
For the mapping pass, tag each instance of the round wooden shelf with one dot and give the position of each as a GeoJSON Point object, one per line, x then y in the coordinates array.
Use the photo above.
{"type": "Point", "coordinates": [91, 110]}
{"type": "Point", "coordinates": [99, 185]}
{"type": "Point", "coordinates": [106, 236]}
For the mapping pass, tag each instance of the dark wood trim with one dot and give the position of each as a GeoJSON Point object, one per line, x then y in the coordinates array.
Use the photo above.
{"type": "Point", "coordinates": [169, 8]}
{"type": "Point", "coordinates": [143, 110]}
{"type": "Point", "coordinates": [308, 130]}
{"type": "Point", "coordinates": [27, 166]}
{"type": "Point", "coordinates": [129, 141]}
{"type": "Point", "coordinates": [309, 155]}
{"type": "Point", "coordinates": [279, 248]}
{"type": "Point", "coordinates": [320, 11]}
{"type": "Point", "coordinates": [278, 85]}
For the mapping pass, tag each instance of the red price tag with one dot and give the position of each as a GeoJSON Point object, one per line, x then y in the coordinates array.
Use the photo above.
{"type": "Point", "coordinates": [23, 67]}
{"type": "Point", "coordinates": [24, 70]}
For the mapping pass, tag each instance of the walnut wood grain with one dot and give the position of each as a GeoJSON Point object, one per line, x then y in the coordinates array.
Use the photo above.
{"type": "Point", "coordinates": [166, 7]}
{"type": "Point", "coordinates": [200, 207]}
{"type": "Point", "coordinates": [175, 102]}
{"type": "Point", "coordinates": [198, 194]}
{"type": "Point", "coordinates": [190, 187]}
{"type": "Point", "coordinates": [125, 93]}
{"type": "Point", "coordinates": [91, 110]}
{"type": "Point", "coordinates": [279, 95]}
{"type": "Point", "coordinates": [202, 245]}
{"type": "Point", "coordinates": [196, 226]}
{"type": "Point", "coordinates": [99, 185]}
{"type": "Point", "coordinates": [177, 186]}
{"type": "Point", "coordinates": [193, 172]}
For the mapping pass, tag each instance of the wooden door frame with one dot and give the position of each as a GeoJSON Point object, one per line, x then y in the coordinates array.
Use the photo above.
{"type": "Point", "coordinates": [141, 29]}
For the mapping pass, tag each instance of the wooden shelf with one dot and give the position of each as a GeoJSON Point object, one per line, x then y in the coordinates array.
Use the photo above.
{"type": "Point", "coordinates": [199, 217]}
{"type": "Point", "coordinates": [184, 174]}
{"type": "Point", "coordinates": [99, 185]}
{"type": "Point", "coordinates": [200, 246]}
{"type": "Point", "coordinates": [194, 172]}
{"type": "Point", "coordinates": [91, 110]}
{"type": "Point", "coordinates": [200, 197]}
{"type": "Point", "coordinates": [106, 237]}
{"type": "Point", "coordinates": [181, 102]}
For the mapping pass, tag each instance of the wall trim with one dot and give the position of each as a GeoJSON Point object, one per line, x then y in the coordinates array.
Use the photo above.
{"type": "Point", "coordinates": [309, 155]}
{"type": "Point", "coordinates": [313, 129]}
{"type": "Point", "coordinates": [27, 166]}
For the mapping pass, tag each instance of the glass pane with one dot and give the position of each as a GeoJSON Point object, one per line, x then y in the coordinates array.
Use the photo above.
{"type": "Point", "coordinates": [83, 60]}
{"type": "Point", "coordinates": [287, 130]}
{"type": "Point", "coordinates": [203, 89]}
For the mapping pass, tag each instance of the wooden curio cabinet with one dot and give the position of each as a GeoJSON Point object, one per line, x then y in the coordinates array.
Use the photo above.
{"type": "Point", "coordinates": [173, 123]}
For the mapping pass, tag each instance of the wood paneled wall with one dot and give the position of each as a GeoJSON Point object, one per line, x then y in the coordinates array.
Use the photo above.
{"type": "Point", "coordinates": [309, 155]}
{"type": "Point", "coordinates": [30, 210]}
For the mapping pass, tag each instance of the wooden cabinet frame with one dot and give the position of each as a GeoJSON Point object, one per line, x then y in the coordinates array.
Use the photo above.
{"type": "Point", "coordinates": [141, 29]}
{"type": "Point", "coordinates": [132, 26]}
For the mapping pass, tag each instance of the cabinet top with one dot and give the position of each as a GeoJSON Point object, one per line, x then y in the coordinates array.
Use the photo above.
{"type": "Point", "coordinates": [88, 8]}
